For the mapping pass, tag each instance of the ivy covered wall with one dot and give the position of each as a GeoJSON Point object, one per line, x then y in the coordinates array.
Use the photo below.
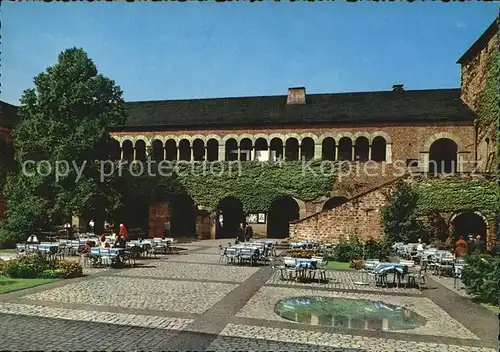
{"type": "Point", "coordinates": [458, 195]}
{"type": "Point", "coordinates": [257, 185]}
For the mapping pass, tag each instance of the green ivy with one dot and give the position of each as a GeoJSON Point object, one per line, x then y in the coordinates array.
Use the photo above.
{"type": "Point", "coordinates": [255, 184]}
{"type": "Point", "coordinates": [456, 194]}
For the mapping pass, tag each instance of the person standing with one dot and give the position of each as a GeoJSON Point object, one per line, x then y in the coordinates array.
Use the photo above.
{"type": "Point", "coordinates": [123, 232]}
{"type": "Point", "coordinates": [166, 229]}
{"type": "Point", "coordinates": [471, 245]}
{"type": "Point", "coordinates": [248, 232]}
{"type": "Point", "coordinates": [91, 226]}
{"type": "Point", "coordinates": [460, 247]}
{"type": "Point", "coordinates": [240, 235]}
{"type": "Point", "coordinates": [480, 246]}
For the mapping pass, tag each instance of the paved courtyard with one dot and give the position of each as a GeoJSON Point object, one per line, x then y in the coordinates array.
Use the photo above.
{"type": "Point", "coordinates": [191, 302]}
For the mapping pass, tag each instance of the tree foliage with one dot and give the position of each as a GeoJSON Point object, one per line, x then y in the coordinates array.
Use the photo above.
{"type": "Point", "coordinates": [400, 215]}
{"type": "Point", "coordinates": [65, 117]}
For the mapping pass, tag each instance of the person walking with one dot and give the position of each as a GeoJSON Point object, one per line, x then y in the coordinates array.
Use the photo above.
{"type": "Point", "coordinates": [240, 233]}
{"type": "Point", "coordinates": [248, 232]}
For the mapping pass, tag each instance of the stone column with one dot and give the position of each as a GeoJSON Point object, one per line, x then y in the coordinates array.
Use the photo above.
{"type": "Point", "coordinates": [424, 157]}
{"type": "Point", "coordinates": [222, 154]}
{"type": "Point", "coordinates": [205, 153]}
{"type": "Point", "coordinates": [317, 151]}
{"type": "Point", "coordinates": [135, 153]}
{"type": "Point", "coordinates": [177, 153]}
{"type": "Point", "coordinates": [121, 153]}
{"type": "Point", "coordinates": [164, 152]}
{"type": "Point", "coordinates": [192, 153]}
{"type": "Point", "coordinates": [369, 152]}
{"type": "Point", "coordinates": [284, 152]}
{"type": "Point", "coordinates": [388, 153]}
{"type": "Point", "coordinates": [336, 153]}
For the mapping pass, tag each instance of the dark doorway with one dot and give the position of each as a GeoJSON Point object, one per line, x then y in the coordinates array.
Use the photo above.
{"type": "Point", "coordinates": [379, 146]}
{"type": "Point", "coordinates": [157, 150]}
{"type": "Point", "coordinates": [114, 150]}
{"type": "Point", "coordinates": [345, 149]}
{"type": "Point", "coordinates": [140, 150]}
{"type": "Point", "coordinates": [443, 156]}
{"type": "Point", "coordinates": [307, 149]}
{"type": "Point", "coordinates": [183, 216]}
{"type": "Point", "coordinates": [282, 211]}
{"type": "Point", "coordinates": [361, 149]}
{"type": "Point", "coordinates": [469, 223]}
{"type": "Point", "coordinates": [328, 149]}
{"type": "Point", "coordinates": [334, 202]}
{"type": "Point", "coordinates": [128, 151]}
{"type": "Point", "coordinates": [229, 217]}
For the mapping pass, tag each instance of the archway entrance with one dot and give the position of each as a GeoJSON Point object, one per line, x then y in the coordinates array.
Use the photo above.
{"type": "Point", "coordinates": [229, 217]}
{"type": "Point", "coordinates": [334, 202]}
{"type": "Point", "coordinates": [282, 211]}
{"type": "Point", "coordinates": [183, 216]}
{"type": "Point", "coordinates": [443, 156]}
{"type": "Point", "coordinates": [469, 223]}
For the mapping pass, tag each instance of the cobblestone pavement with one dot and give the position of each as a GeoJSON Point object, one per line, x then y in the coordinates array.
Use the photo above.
{"type": "Point", "coordinates": [439, 323]}
{"type": "Point", "coordinates": [191, 302]}
{"type": "Point", "coordinates": [144, 293]}
{"type": "Point", "coordinates": [192, 271]}
{"type": "Point", "coordinates": [195, 258]}
{"type": "Point", "coordinates": [448, 283]}
{"type": "Point", "coordinates": [261, 338]}
{"type": "Point", "coordinates": [96, 316]}
{"type": "Point", "coordinates": [25, 333]}
{"type": "Point", "coordinates": [344, 279]}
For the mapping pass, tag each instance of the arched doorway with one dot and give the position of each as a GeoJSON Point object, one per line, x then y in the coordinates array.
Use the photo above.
{"type": "Point", "coordinates": [443, 156]}
{"type": "Point", "coordinates": [229, 217]}
{"type": "Point", "coordinates": [282, 211]}
{"type": "Point", "coordinates": [183, 216]}
{"type": "Point", "coordinates": [469, 223]}
{"type": "Point", "coordinates": [334, 202]}
{"type": "Point", "coordinates": [114, 149]}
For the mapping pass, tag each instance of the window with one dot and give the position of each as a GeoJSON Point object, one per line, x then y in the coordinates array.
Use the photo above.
{"type": "Point", "coordinates": [413, 163]}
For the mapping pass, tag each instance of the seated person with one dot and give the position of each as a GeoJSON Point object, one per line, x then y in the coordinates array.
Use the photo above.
{"type": "Point", "coordinates": [32, 239]}
{"type": "Point", "coordinates": [119, 242]}
{"type": "Point", "coordinates": [104, 243]}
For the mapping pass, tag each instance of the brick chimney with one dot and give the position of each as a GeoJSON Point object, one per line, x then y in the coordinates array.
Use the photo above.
{"type": "Point", "coordinates": [296, 95]}
{"type": "Point", "coordinates": [398, 88]}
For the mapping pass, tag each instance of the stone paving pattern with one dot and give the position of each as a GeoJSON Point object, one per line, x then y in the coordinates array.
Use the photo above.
{"type": "Point", "coordinates": [191, 302]}
{"type": "Point", "coordinates": [261, 306]}
{"type": "Point", "coordinates": [191, 271]}
{"type": "Point", "coordinates": [143, 293]}
{"type": "Point", "coordinates": [96, 316]}
{"type": "Point", "coordinates": [344, 279]}
{"type": "Point", "coordinates": [232, 334]}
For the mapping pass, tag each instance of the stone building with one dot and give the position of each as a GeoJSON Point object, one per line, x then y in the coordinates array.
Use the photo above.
{"type": "Point", "coordinates": [392, 131]}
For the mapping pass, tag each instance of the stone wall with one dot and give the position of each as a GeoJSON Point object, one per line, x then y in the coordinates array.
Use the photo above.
{"type": "Point", "coordinates": [158, 213]}
{"type": "Point", "coordinates": [360, 216]}
{"type": "Point", "coordinates": [474, 73]}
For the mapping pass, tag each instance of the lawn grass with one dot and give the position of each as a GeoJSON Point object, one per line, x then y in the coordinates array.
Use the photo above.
{"type": "Point", "coordinates": [338, 266]}
{"type": "Point", "coordinates": [492, 308]}
{"type": "Point", "coordinates": [8, 250]}
{"type": "Point", "coordinates": [10, 285]}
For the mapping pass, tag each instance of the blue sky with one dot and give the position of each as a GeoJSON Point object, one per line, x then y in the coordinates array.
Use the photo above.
{"type": "Point", "coordinates": [160, 51]}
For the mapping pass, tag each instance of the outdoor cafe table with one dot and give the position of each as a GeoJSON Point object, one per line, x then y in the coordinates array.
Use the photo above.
{"type": "Point", "coordinates": [48, 248]}
{"type": "Point", "coordinates": [386, 268]}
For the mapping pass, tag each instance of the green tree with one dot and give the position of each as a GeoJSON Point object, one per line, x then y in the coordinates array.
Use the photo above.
{"type": "Point", "coordinates": [400, 216]}
{"type": "Point", "coordinates": [64, 118]}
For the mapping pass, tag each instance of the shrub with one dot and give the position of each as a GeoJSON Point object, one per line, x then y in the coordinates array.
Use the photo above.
{"type": "Point", "coordinates": [481, 277]}
{"type": "Point", "coordinates": [51, 274]}
{"type": "Point", "coordinates": [69, 269]}
{"type": "Point", "coordinates": [27, 267]}
{"type": "Point", "coordinates": [302, 253]}
{"type": "Point", "coordinates": [347, 251]}
{"type": "Point", "coordinates": [357, 264]}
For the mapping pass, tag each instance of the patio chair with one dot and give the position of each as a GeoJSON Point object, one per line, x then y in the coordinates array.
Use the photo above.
{"type": "Point", "coordinates": [232, 255]}
{"type": "Point", "coordinates": [105, 256]}
{"type": "Point", "coordinates": [417, 277]}
{"type": "Point", "coordinates": [320, 268]}
{"type": "Point", "coordinates": [222, 255]}
{"type": "Point", "coordinates": [246, 255]}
